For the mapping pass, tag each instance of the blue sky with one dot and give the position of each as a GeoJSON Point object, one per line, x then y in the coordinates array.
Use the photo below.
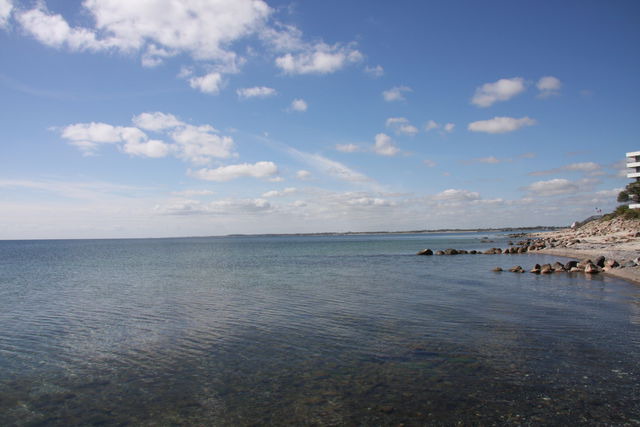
{"type": "Point", "coordinates": [178, 118]}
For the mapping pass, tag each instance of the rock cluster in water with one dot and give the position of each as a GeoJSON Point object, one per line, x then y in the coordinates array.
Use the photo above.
{"type": "Point", "coordinates": [586, 266]}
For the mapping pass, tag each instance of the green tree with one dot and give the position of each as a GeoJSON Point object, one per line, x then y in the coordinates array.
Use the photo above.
{"type": "Point", "coordinates": [631, 193]}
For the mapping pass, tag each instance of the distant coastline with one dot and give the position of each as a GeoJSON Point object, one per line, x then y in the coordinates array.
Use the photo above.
{"type": "Point", "coordinates": [442, 230]}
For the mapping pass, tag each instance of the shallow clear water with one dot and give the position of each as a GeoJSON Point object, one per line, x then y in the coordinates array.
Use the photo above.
{"type": "Point", "coordinates": [322, 330]}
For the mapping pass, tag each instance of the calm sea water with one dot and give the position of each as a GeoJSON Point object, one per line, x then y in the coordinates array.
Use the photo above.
{"type": "Point", "coordinates": [329, 330]}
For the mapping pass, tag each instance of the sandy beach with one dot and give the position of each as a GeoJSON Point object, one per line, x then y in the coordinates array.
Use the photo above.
{"type": "Point", "coordinates": [617, 239]}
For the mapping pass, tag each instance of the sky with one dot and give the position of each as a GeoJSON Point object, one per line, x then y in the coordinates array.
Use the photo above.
{"type": "Point", "coordinates": [163, 118]}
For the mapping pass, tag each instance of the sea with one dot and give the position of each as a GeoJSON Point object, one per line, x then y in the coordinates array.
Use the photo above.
{"type": "Point", "coordinates": [309, 330]}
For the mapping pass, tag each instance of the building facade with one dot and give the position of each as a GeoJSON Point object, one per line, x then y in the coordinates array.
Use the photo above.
{"type": "Point", "coordinates": [633, 171]}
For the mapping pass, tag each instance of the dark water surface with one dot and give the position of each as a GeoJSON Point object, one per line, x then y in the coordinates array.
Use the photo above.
{"type": "Point", "coordinates": [328, 330]}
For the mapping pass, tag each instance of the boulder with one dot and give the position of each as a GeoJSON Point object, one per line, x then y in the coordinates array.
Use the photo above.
{"type": "Point", "coordinates": [546, 269]}
{"type": "Point", "coordinates": [599, 261]}
{"type": "Point", "coordinates": [582, 264]}
{"type": "Point", "coordinates": [591, 269]}
{"type": "Point", "coordinates": [522, 250]}
{"type": "Point", "coordinates": [574, 270]}
{"type": "Point", "coordinates": [517, 269]}
{"type": "Point", "coordinates": [558, 267]}
{"type": "Point", "coordinates": [497, 269]}
{"type": "Point", "coordinates": [450, 251]}
{"type": "Point", "coordinates": [536, 269]}
{"type": "Point", "coordinates": [439, 252]}
{"type": "Point", "coordinates": [571, 264]}
{"type": "Point", "coordinates": [473, 252]}
{"type": "Point", "coordinates": [611, 263]}
{"type": "Point", "coordinates": [425, 252]}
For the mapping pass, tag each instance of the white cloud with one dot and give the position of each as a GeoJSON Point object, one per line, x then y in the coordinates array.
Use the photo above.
{"type": "Point", "coordinates": [453, 195]}
{"type": "Point", "coordinates": [396, 93]}
{"type": "Point", "coordinates": [500, 124]}
{"type": "Point", "coordinates": [449, 127]}
{"type": "Point", "coordinates": [151, 148]}
{"type": "Point", "coordinates": [298, 105]}
{"type": "Point", "coordinates": [209, 83]}
{"type": "Point", "coordinates": [256, 92]}
{"type": "Point", "coordinates": [431, 125]}
{"type": "Point", "coordinates": [195, 144]}
{"type": "Point", "coordinates": [429, 163]}
{"type": "Point", "coordinates": [376, 71]}
{"type": "Point", "coordinates": [384, 145]}
{"type": "Point", "coordinates": [156, 121]}
{"type": "Point", "coordinates": [320, 58]}
{"type": "Point", "coordinates": [227, 173]}
{"type": "Point", "coordinates": [223, 207]}
{"type": "Point", "coordinates": [279, 193]}
{"type": "Point", "coordinates": [5, 12]}
{"type": "Point", "coordinates": [401, 126]}
{"type": "Point", "coordinates": [157, 28]}
{"type": "Point", "coordinates": [501, 90]}
{"type": "Point", "coordinates": [553, 187]}
{"type": "Point", "coordinates": [347, 148]}
{"type": "Point", "coordinates": [200, 144]}
{"type": "Point", "coordinates": [548, 86]}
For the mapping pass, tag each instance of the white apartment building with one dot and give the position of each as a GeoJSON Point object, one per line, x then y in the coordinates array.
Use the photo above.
{"type": "Point", "coordinates": [633, 171]}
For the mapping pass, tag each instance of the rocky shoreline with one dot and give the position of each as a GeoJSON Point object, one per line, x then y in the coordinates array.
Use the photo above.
{"type": "Point", "coordinates": [608, 246]}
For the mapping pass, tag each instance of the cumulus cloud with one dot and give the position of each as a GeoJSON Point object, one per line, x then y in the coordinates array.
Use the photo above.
{"type": "Point", "coordinates": [202, 30]}
{"type": "Point", "coordinates": [228, 173]}
{"type": "Point", "coordinates": [384, 145]}
{"type": "Point", "coordinates": [206, 32]}
{"type": "Point", "coordinates": [548, 86]}
{"type": "Point", "coordinates": [256, 92]}
{"type": "Point", "coordinates": [156, 121]}
{"type": "Point", "coordinates": [375, 72]}
{"type": "Point", "coordinates": [454, 195]}
{"type": "Point", "coordinates": [209, 83]}
{"type": "Point", "coordinates": [320, 58]}
{"type": "Point", "coordinates": [401, 126]}
{"type": "Point", "coordinates": [553, 187]}
{"type": "Point", "coordinates": [5, 12]}
{"type": "Point", "coordinates": [500, 124]}
{"type": "Point", "coordinates": [347, 148]}
{"type": "Point", "coordinates": [299, 105]}
{"type": "Point", "coordinates": [501, 90]}
{"type": "Point", "coordinates": [195, 144]}
{"type": "Point", "coordinates": [396, 93]}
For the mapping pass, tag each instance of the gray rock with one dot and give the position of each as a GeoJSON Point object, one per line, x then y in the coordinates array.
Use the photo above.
{"type": "Point", "coordinates": [546, 269]}
{"type": "Point", "coordinates": [591, 269]}
{"type": "Point", "coordinates": [558, 267]}
{"type": "Point", "coordinates": [571, 264]}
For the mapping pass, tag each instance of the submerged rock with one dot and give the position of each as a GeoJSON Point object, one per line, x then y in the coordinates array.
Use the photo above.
{"type": "Point", "coordinates": [558, 267]}
{"type": "Point", "coordinates": [517, 269]}
{"type": "Point", "coordinates": [536, 269]}
{"type": "Point", "coordinates": [425, 252]}
{"type": "Point", "coordinates": [546, 269]}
